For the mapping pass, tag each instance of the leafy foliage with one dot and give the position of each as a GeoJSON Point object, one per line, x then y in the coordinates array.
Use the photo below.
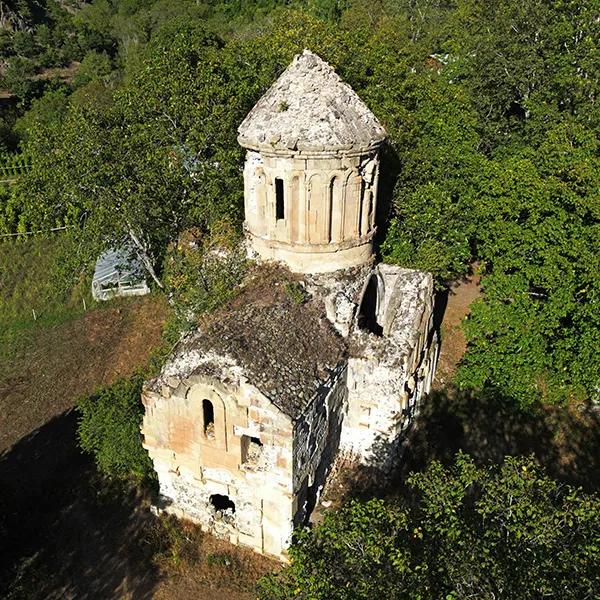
{"type": "Point", "coordinates": [18, 78]}
{"type": "Point", "coordinates": [533, 333]}
{"type": "Point", "coordinates": [506, 532]}
{"type": "Point", "coordinates": [203, 273]}
{"type": "Point", "coordinates": [109, 428]}
{"type": "Point", "coordinates": [492, 156]}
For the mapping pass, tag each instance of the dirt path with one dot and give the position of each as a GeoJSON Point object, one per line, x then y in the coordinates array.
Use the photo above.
{"type": "Point", "coordinates": [453, 342]}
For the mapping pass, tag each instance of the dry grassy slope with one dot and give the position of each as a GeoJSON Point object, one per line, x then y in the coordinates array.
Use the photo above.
{"type": "Point", "coordinates": [52, 351]}
{"type": "Point", "coordinates": [113, 559]}
{"type": "Point", "coordinates": [63, 362]}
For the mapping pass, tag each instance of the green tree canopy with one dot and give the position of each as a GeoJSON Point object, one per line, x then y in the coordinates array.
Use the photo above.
{"type": "Point", "coordinates": [470, 532]}
{"type": "Point", "coordinates": [492, 153]}
{"type": "Point", "coordinates": [534, 334]}
{"type": "Point", "coordinates": [162, 155]}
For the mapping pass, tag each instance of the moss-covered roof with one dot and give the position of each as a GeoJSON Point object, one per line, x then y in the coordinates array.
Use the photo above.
{"type": "Point", "coordinates": [286, 349]}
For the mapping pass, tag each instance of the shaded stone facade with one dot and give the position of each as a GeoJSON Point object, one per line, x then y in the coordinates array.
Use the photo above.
{"type": "Point", "coordinates": [247, 417]}
{"type": "Point", "coordinates": [392, 359]}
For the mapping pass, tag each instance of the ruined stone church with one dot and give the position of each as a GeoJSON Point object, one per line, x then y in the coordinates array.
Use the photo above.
{"type": "Point", "coordinates": [251, 410]}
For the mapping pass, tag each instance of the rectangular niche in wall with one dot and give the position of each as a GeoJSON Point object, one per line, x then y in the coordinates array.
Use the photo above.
{"type": "Point", "coordinates": [252, 450]}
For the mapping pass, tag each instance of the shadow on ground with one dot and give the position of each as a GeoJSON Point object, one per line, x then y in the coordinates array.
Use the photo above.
{"type": "Point", "coordinates": [565, 440]}
{"type": "Point", "coordinates": [64, 535]}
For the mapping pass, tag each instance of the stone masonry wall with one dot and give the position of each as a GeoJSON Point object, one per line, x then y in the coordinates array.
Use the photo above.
{"type": "Point", "coordinates": [329, 209]}
{"type": "Point", "coordinates": [266, 459]}
{"type": "Point", "coordinates": [193, 464]}
{"type": "Point", "coordinates": [389, 371]}
{"type": "Point", "coordinates": [316, 442]}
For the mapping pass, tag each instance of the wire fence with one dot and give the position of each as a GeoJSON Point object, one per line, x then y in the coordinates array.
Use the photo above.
{"type": "Point", "coordinates": [12, 166]}
{"type": "Point", "coordinates": [38, 232]}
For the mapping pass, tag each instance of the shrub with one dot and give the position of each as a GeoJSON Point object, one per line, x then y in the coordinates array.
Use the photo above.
{"type": "Point", "coordinates": [203, 272]}
{"type": "Point", "coordinates": [295, 292]}
{"type": "Point", "coordinates": [94, 66]}
{"type": "Point", "coordinates": [18, 78]}
{"type": "Point", "coordinates": [109, 428]}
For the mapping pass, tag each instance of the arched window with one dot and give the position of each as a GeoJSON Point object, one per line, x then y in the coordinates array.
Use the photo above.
{"type": "Point", "coordinates": [208, 413]}
{"type": "Point", "coordinates": [279, 200]}
{"type": "Point", "coordinates": [369, 224]}
{"type": "Point", "coordinates": [361, 200]}
{"type": "Point", "coordinates": [367, 315]}
{"type": "Point", "coordinates": [295, 210]}
{"type": "Point", "coordinates": [315, 209]}
{"type": "Point", "coordinates": [330, 205]}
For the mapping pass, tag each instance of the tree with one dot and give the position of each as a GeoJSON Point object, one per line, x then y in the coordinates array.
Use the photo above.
{"type": "Point", "coordinates": [109, 428]}
{"type": "Point", "coordinates": [533, 333]}
{"type": "Point", "coordinates": [522, 59]}
{"type": "Point", "coordinates": [469, 532]}
{"type": "Point", "coordinates": [18, 76]}
{"type": "Point", "coordinates": [434, 219]}
{"type": "Point", "coordinates": [45, 111]}
{"type": "Point", "coordinates": [161, 157]}
{"type": "Point", "coordinates": [94, 66]}
{"type": "Point", "coordinates": [204, 272]}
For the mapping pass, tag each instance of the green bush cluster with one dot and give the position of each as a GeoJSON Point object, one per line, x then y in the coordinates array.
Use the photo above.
{"type": "Point", "coordinates": [295, 292]}
{"type": "Point", "coordinates": [203, 273]}
{"type": "Point", "coordinates": [109, 428]}
{"type": "Point", "coordinates": [13, 165]}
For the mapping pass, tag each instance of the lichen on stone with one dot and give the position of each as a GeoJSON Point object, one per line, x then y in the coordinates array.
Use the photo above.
{"type": "Point", "coordinates": [310, 108]}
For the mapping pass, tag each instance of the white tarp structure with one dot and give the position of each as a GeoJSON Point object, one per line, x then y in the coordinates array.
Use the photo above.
{"type": "Point", "coordinates": [118, 273]}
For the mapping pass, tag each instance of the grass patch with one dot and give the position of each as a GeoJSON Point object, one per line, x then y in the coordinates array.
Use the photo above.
{"type": "Point", "coordinates": [31, 294]}
{"type": "Point", "coordinates": [173, 543]}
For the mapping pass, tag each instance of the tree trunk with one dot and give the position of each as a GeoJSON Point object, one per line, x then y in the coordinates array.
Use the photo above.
{"type": "Point", "coordinates": [145, 258]}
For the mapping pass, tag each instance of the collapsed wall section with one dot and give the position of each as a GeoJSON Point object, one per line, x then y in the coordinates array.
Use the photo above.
{"type": "Point", "coordinates": [393, 355]}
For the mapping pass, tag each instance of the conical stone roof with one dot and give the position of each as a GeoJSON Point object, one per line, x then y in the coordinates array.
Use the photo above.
{"type": "Point", "coordinates": [310, 108]}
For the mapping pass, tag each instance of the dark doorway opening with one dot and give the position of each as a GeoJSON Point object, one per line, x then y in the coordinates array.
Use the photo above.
{"type": "Point", "coordinates": [221, 502]}
{"type": "Point", "coordinates": [367, 315]}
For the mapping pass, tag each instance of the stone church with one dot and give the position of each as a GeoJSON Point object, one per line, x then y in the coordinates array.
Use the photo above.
{"type": "Point", "coordinates": [248, 415]}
